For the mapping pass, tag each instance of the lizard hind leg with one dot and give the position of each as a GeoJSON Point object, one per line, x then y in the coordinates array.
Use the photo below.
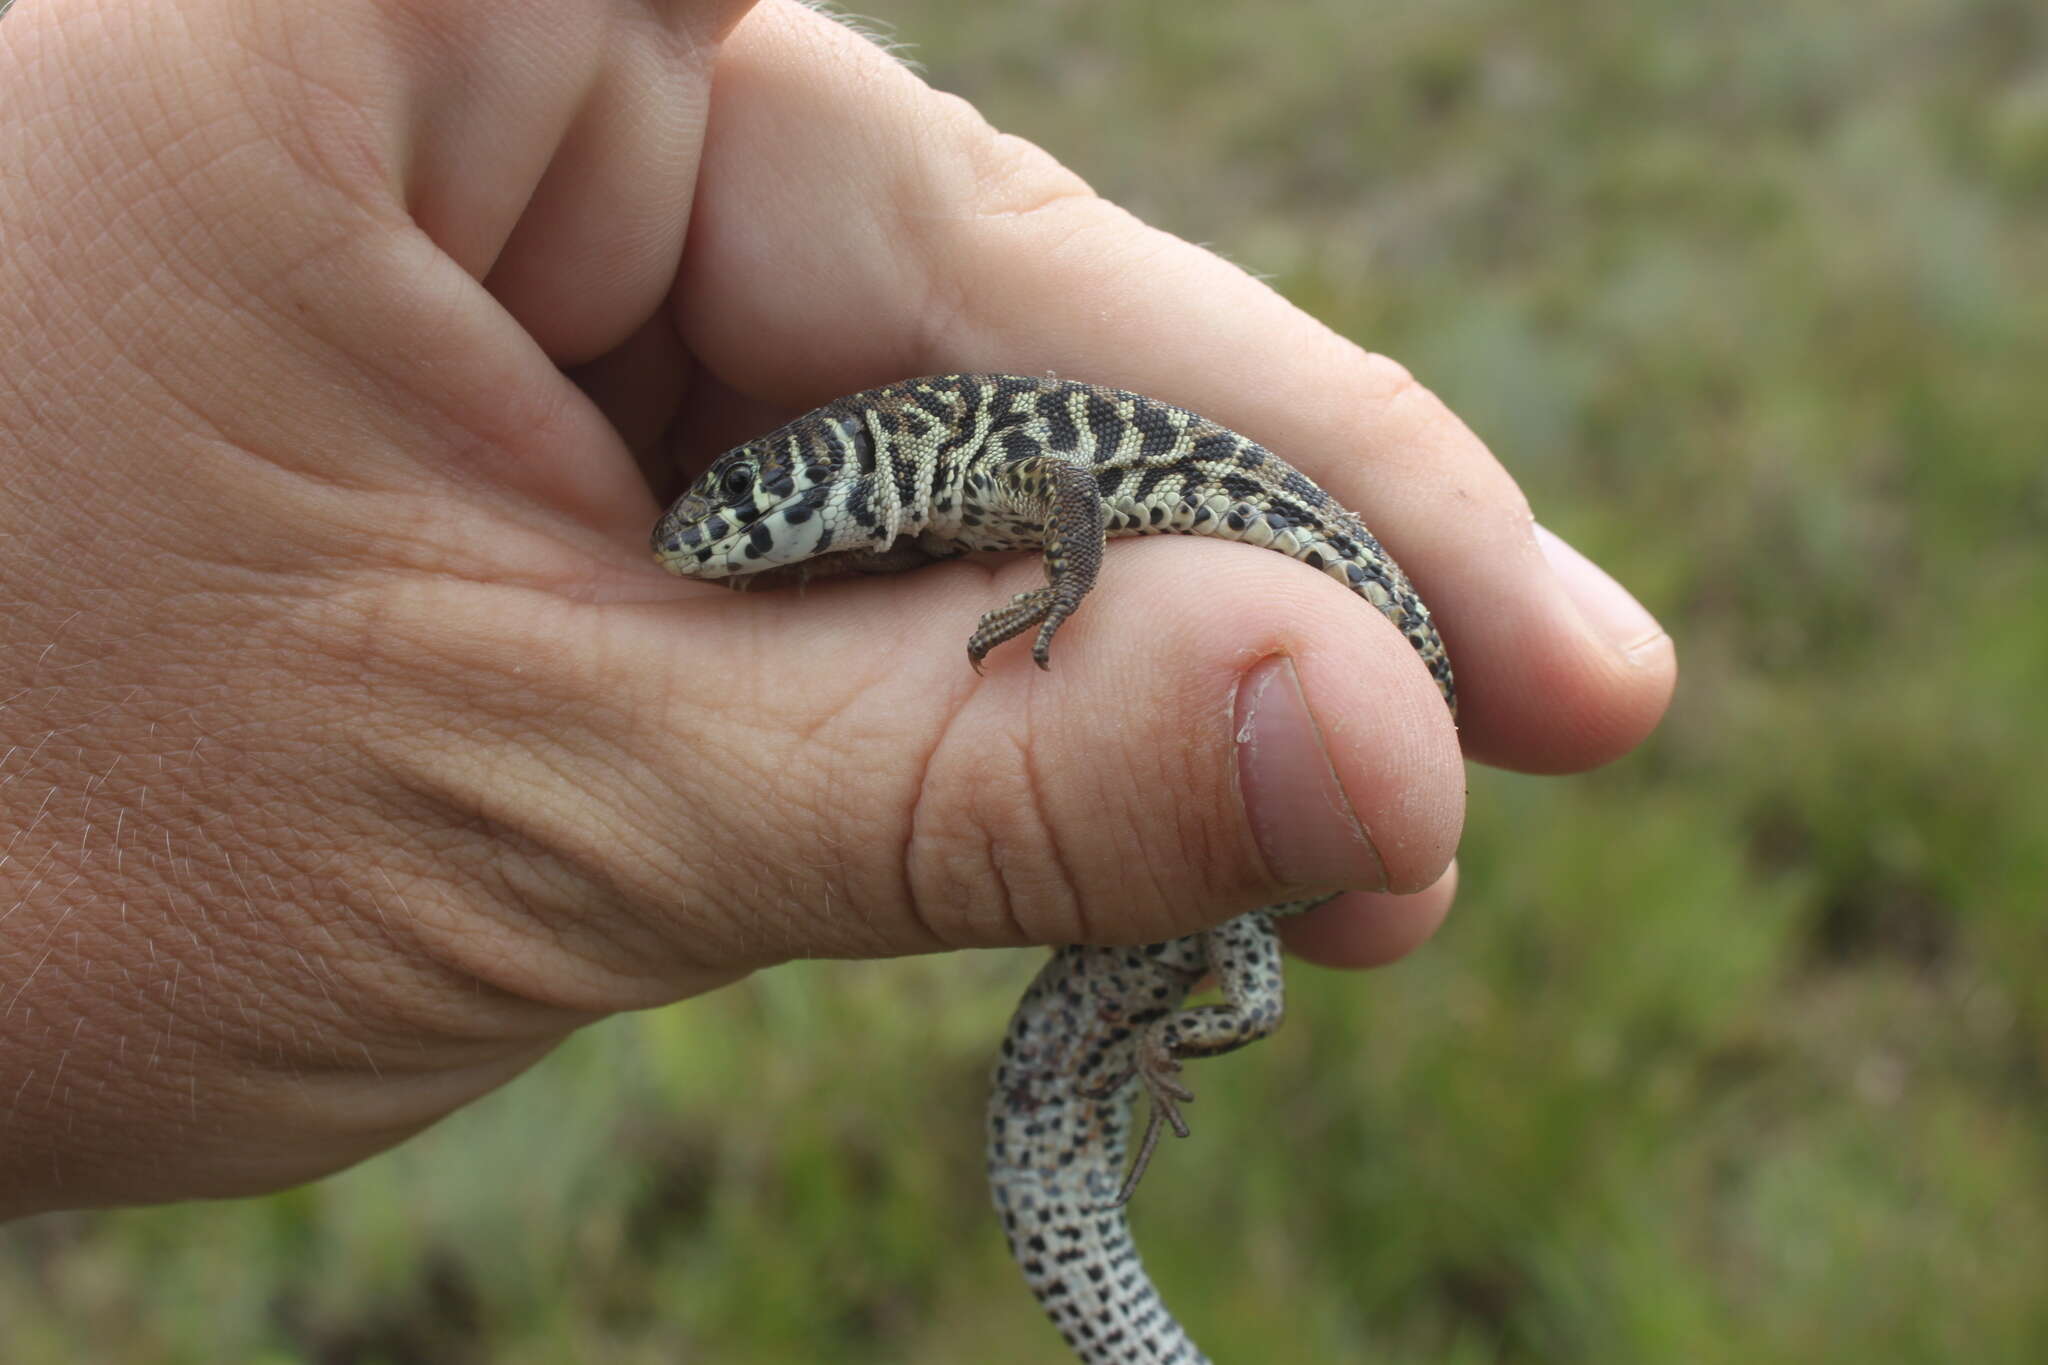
{"type": "Point", "coordinates": [1244, 955]}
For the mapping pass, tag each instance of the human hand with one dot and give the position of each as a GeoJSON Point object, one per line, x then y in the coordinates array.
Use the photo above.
{"type": "Point", "coordinates": [356, 751]}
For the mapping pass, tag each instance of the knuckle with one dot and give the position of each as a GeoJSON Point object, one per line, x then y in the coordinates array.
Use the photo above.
{"type": "Point", "coordinates": [1049, 845]}
{"type": "Point", "coordinates": [983, 860]}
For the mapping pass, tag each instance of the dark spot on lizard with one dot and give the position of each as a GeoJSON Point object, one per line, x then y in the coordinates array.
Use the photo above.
{"type": "Point", "coordinates": [1020, 445]}
{"type": "Point", "coordinates": [1157, 433]}
{"type": "Point", "coordinates": [1060, 432]}
{"type": "Point", "coordinates": [1217, 447]}
{"type": "Point", "coordinates": [1106, 424]}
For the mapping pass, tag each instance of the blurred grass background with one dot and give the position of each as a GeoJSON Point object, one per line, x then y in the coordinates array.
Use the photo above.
{"type": "Point", "coordinates": [1737, 1051]}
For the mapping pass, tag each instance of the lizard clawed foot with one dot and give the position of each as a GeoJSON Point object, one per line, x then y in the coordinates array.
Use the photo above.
{"type": "Point", "coordinates": [1157, 1068]}
{"type": "Point", "coordinates": [1024, 611]}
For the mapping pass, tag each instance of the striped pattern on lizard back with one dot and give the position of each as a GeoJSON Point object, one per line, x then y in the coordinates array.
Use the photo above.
{"type": "Point", "coordinates": [930, 468]}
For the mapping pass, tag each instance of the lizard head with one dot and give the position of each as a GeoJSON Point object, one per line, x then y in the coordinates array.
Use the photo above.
{"type": "Point", "coordinates": [760, 505]}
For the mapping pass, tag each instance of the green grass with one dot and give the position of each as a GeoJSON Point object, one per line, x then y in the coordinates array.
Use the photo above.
{"type": "Point", "coordinates": [1734, 1051]}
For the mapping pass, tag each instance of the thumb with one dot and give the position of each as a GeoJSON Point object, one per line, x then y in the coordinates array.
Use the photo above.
{"type": "Point", "coordinates": [820, 772]}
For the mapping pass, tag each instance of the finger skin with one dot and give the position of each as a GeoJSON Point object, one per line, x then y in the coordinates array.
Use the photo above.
{"type": "Point", "coordinates": [1368, 929]}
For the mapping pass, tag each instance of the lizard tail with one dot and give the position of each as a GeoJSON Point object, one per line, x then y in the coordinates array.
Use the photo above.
{"type": "Point", "coordinates": [1056, 1161]}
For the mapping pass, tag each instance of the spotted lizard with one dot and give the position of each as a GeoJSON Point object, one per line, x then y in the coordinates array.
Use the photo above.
{"type": "Point", "coordinates": [931, 468]}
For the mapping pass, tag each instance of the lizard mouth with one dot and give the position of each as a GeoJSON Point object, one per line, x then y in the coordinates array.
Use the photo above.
{"type": "Point", "coordinates": [697, 540]}
{"type": "Point", "coordinates": [694, 539]}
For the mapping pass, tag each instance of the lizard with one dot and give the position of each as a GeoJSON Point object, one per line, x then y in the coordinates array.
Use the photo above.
{"type": "Point", "coordinates": [930, 468]}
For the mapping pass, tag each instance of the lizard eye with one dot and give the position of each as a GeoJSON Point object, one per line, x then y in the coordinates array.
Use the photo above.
{"type": "Point", "coordinates": [738, 481]}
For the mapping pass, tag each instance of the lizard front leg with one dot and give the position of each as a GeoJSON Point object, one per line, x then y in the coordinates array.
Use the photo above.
{"type": "Point", "coordinates": [1064, 496]}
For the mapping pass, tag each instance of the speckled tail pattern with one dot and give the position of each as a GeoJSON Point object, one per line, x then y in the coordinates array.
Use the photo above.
{"type": "Point", "coordinates": [1056, 1150]}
